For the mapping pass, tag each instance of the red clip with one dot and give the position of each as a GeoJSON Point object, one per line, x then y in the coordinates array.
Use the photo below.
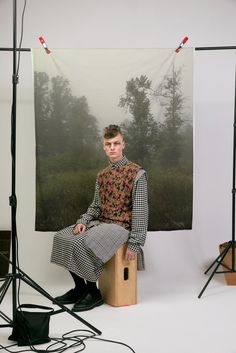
{"type": "Point", "coordinates": [42, 41]}
{"type": "Point", "coordinates": [181, 44]}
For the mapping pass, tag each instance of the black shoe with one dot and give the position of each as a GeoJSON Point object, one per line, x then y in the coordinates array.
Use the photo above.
{"type": "Point", "coordinates": [88, 302]}
{"type": "Point", "coordinates": [70, 297]}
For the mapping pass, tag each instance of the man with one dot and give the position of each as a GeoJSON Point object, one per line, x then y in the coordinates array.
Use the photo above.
{"type": "Point", "coordinates": [118, 214]}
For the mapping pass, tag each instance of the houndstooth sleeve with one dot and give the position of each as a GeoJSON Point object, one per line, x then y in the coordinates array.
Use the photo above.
{"type": "Point", "coordinates": [139, 213]}
{"type": "Point", "coordinates": [93, 212]}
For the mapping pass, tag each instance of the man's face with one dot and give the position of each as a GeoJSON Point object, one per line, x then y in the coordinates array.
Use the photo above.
{"type": "Point", "coordinates": [114, 148]}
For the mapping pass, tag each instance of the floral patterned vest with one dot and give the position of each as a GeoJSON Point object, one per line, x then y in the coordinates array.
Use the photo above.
{"type": "Point", "coordinates": [115, 189]}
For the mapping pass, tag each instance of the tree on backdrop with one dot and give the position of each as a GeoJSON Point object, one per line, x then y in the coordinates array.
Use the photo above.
{"type": "Point", "coordinates": [141, 131]}
{"type": "Point", "coordinates": [64, 123]}
{"type": "Point", "coordinates": [158, 143]}
{"type": "Point", "coordinates": [172, 129]}
{"type": "Point", "coordinates": [68, 157]}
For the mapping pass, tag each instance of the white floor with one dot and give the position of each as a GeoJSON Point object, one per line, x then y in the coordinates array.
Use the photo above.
{"type": "Point", "coordinates": [168, 318]}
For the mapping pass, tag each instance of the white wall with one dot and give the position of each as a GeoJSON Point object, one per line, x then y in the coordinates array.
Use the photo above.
{"type": "Point", "coordinates": [128, 24]}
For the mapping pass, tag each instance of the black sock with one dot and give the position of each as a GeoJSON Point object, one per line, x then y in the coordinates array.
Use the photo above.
{"type": "Point", "coordinates": [80, 284]}
{"type": "Point", "coordinates": [92, 287]}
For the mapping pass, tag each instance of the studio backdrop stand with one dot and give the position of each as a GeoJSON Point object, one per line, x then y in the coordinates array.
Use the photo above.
{"type": "Point", "coordinates": [17, 274]}
{"type": "Point", "coordinates": [229, 248]}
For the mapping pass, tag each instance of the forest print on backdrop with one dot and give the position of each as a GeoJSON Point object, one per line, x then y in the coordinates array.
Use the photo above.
{"type": "Point", "coordinates": [79, 92]}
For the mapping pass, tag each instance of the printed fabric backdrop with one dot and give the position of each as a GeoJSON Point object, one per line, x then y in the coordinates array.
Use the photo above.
{"type": "Point", "coordinates": [79, 92]}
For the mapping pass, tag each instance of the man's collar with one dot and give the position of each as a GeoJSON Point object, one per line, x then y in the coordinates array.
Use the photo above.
{"type": "Point", "coordinates": [120, 163]}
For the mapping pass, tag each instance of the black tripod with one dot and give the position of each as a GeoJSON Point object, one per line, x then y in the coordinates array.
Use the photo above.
{"type": "Point", "coordinates": [17, 274]}
{"type": "Point", "coordinates": [230, 244]}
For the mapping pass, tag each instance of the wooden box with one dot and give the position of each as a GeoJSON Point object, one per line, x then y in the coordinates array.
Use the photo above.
{"type": "Point", "coordinates": [118, 281]}
{"type": "Point", "coordinates": [230, 278]}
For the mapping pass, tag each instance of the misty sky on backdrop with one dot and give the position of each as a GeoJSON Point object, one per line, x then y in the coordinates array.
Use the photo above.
{"type": "Point", "coordinates": [101, 75]}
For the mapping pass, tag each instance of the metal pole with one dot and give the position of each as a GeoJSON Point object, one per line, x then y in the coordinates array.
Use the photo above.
{"type": "Point", "coordinates": [231, 243]}
{"type": "Point", "coordinates": [13, 199]}
{"type": "Point", "coordinates": [17, 49]}
{"type": "Point", "coordinates": [217, 48]}
{"type": "Point", "coordinates": [233, 183]}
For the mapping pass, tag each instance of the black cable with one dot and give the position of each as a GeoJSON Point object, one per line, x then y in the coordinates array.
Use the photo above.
{"type": "Point", "coordinates": [112, 341]}
{"type": "Point", "coordinates": [17, 74]}
{"type": "Point", "coordinates": [21, 36]}
{"type": "Point", "coordinates": [77, 340]}
{"type": "Point", "coordinates": [67, 337]}
{"type": "Point", "coordinates": [6, 348]}
{"type": "Point", "coordinates": [13, 199]}
{"type": "Point", "coordinates": [71, 340]}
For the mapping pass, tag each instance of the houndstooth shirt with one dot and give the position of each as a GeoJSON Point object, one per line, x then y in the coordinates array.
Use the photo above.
{"type": "Point", "coordinates": [139, 222]}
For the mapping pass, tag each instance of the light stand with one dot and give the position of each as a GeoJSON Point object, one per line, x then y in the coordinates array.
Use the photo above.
{"type": "Point", "coordinates": [230, 244]}
{"type": "Point", "coordinates": [17, 273]}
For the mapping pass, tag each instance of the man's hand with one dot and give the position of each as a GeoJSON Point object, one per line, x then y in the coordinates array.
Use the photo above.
{"type": "Point", "coordinates": [130, 255]}
{"type": "Point", "coordinates": [79, 228]}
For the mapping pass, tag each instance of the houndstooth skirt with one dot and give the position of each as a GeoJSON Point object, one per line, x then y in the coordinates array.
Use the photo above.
{"type": "Point", "coordinates": [85, 254]}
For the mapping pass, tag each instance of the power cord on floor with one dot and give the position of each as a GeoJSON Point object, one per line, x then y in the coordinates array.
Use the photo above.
{"type": "Point", "coordinates": [73, 340]}
{"type": "Point", "coordinates": [95, 337]}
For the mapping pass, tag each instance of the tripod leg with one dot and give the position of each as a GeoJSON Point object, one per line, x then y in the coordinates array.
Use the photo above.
{"type": "Point", "coordinates": [5, 287]}
{"type": "Point", "coordinates": [24, 277]}
{"type": "Point", "coordinates": [3, 291]}
{"type": "Point", "coordinates": [216, 260]}
{"type": "Point", "coordinates": [223, 254]}
{"type": "Point", "coordinates": [34, 285]}
{"type": "Point", "coordinates": [7, 319]}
